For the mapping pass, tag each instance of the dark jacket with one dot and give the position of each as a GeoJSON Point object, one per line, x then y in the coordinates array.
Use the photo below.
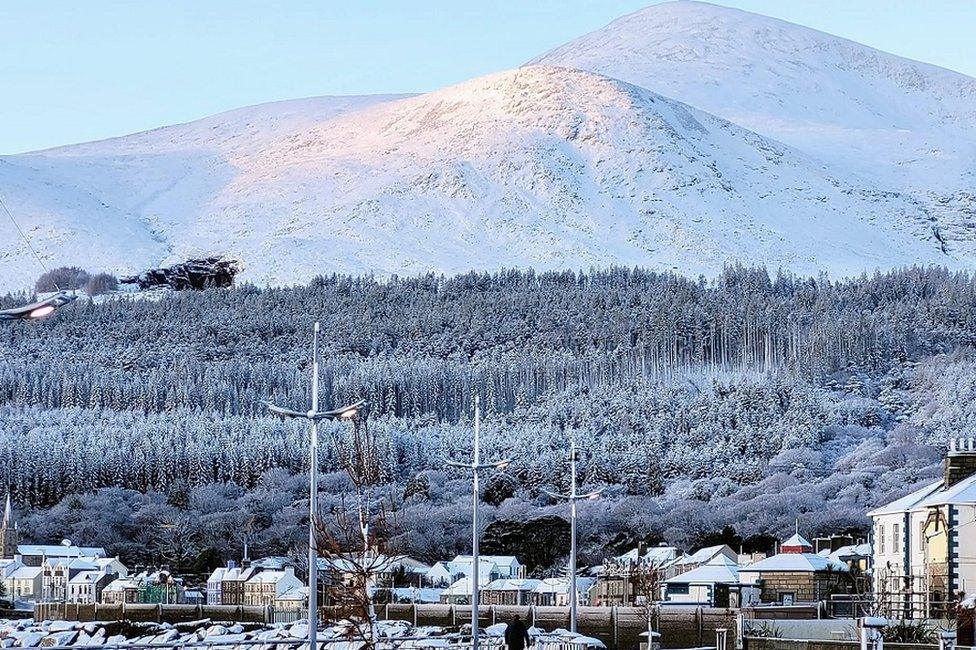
{"type": "Point", "coordinates": [516, 635]}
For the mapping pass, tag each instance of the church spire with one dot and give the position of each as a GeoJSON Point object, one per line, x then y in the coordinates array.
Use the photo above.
{"type": "Point", "coordinates": [6, 513]}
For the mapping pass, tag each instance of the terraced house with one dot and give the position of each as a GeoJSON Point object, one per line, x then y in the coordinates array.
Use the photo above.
{"type": "Point", "coordinates": [925, 542]}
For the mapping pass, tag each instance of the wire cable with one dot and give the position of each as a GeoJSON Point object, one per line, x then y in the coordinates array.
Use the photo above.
{"type": "Point", "coordinates": [24, 235]}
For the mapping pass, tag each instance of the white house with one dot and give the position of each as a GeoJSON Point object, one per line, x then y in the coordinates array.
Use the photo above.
{"type": "Point", "coordinates": [25, 583]}
{"type": "Point", "coordinates": [84, 587]}
{"type": "Point", "coordinates": [215, 582]}
{"type": "Point", "coordinates": [491, 567]}
{"type": "Point", "coordinates": [264, 587]}
{"type": "Point", "coordinates": [508, 591]}
{"type": "Point", "coordinates": [714, 584]}
{"type": "Point", "coordinates": [554, 592]}
{"type": "Point", "coordinates": [924, 550]}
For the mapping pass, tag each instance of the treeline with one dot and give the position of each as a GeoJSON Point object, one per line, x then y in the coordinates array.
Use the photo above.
{"type": "Point", "coordinates": [424, 346]}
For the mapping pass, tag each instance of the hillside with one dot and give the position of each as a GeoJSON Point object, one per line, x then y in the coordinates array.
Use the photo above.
{"type": "Point", "coordinates": [543, 166]}
{"type": "Point", "coordinates": [900, 123]}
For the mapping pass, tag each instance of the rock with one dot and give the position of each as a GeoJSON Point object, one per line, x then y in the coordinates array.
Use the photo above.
{"type": "Point", "coordinates": [31, 639]}
{"type": "Point", "coordinates": [192, 274]}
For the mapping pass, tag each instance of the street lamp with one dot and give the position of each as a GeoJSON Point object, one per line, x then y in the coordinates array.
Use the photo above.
{"type": "Point", "coordinates": [476, 466]}
{"type": "Point", "coordinates": [572, 497]}
{"type": "Point", "coordinates": [39, 309]}
{"type": "Point", "coordinates": [315, 416]}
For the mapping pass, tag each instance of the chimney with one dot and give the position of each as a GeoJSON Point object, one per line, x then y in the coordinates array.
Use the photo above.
{"type": "Point", "coordinates": [960, 462]}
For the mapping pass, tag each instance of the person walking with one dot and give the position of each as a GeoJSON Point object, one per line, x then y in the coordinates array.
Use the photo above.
{"type": "Point", "coordinates": [516, 634]}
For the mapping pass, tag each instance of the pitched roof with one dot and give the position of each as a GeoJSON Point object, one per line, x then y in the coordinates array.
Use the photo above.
{"type": "Point", "coordinates": [500, 560]}
{"type": "Point", "coordinates": [512, 584]}
{"type": "Point", "coordinates": [87, 577]}
{"type": "Point", "coordinates": [561, 585]}
{"type": "Point", "coordinates": [797, 562]}
{"type": "Point", "coordinates": [911, 500]}
{"type": "Point", "coordinates": [719, 570]}
{"type": "Point", "coordinates": [702, 555]}
{"type": "Point", "coordinates": [797, 540]}
{"type": "Point", "coordinates": [25, 573]}
{"type": "Point", "coordinates": [61, 550]}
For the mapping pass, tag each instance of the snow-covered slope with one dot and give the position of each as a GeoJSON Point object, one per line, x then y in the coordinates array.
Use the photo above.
{"type": "Point", "coordinates": [118, 204]}
{"type": "Point", "coordinates": [903, 124]}
{"type": "Point", "coordinates": [540, 166]}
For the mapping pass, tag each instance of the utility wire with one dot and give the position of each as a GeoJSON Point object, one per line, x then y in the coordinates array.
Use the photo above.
{"type": "Point", "coordinates": [24, 235]}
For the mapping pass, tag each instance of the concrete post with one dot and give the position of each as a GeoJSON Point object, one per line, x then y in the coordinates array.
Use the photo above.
{"type": "Point", "coordinates": [871, 636]}
{"type": "Point", "coordinates": [721, 638]}
{"type": "Point", "coordinates": [947, 640]}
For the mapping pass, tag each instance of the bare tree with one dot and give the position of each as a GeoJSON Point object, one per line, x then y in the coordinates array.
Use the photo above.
{"type": "Point", "coordinates": [648, 581]}
{"type": "Point", "coordinates": [355, 542]}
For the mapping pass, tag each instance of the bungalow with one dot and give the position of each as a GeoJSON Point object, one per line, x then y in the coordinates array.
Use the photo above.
{"type": "Point", "coordinates": [458, 593]}
{"type": "Point", "coordinates": [796, 575]}
{"type": "Point", "coordinates": [714, 584]}
{"type": "Point", "coordinates": [508, 591]}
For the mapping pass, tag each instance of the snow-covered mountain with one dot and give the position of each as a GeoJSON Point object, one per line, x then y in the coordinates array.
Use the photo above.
{"type": "Point", "coordinates": [902, 124]}
{"type": "Point", "coordinates": [545, 166]}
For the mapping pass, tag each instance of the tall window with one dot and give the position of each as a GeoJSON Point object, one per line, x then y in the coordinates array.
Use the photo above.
{"type": "Point", "coordinates": [896, 538]}
{"type": "Point", "coordinates": [881, 539]}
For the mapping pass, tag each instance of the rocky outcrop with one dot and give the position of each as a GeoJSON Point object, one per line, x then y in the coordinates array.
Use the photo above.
{"type": "Point", "coordinates": [195, 274]}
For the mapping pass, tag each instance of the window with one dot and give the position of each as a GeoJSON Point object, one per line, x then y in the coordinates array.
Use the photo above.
{"type": "Point", "coordinates": [881, 539]}
{"type": "Point", "coordinates": [896, 538]}
{"type": "Point", "coordinates": [678, 588]}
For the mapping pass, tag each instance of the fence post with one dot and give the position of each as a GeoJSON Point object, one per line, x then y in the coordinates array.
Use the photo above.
{"type": "Point", "coordinates": [721, 638]}
{"type": "Point", "coordinates": [414, 608]}
{"type": "Point", "coordinates": [947, 641]}
{"type": "Point", "coordinates": [453, 616]}
{"type": "Point", "coordinates": [701, 626]}
{"type": "Point", "coordinates": [491, 612]}
{"type": "Point", "coordinates": [159, 612]}
{"type": "Point", "coordinates": [871, 636]}
{"type": "Point", "coordinates": [614, 619]}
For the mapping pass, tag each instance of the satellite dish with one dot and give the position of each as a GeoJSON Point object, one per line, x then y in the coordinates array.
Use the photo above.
{"type": "Point", "coordinates": [66, 542]}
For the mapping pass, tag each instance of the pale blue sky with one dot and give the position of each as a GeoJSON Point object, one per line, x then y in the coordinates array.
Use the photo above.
{"type": "Point", "coordinates": [74, 71]}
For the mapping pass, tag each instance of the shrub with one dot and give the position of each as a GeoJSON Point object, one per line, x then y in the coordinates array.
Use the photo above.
{"type": "Point", "coordinates": [62, 278]}
{"type": "Point", "coordinates": [101, 283]}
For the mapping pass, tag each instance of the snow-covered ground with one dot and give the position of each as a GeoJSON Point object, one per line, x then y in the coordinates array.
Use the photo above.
{"type": "Point", "coordinates": [34, 634]}
{"type": "Point", "coordinates": [544, 166]}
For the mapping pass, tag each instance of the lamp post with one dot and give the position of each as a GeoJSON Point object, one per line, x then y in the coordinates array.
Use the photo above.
{"type": "Point", "coordinates": [39, 309]}
{"type": "Point", "coordinates": [572, 497]}
{"type": "Point", "coordinates": [475, 466]}
{"type": "Point", "coordinates": [315, 416]}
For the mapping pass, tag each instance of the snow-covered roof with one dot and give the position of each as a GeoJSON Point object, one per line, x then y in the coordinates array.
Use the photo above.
{"type": "Point", "coordinates": [421, 595]}
{"type": "Point", "coordinates": [795, 562]}
{"type": "Point", "coordinates": [561, 585]}
{"type": "Point", "coordinates": [719, 570]}
{"type": "Point", "coordinates": [512, 584]}
{"type": "Point", "coordinates": [508, 561]}
{"type": "Point", "coordinates": [703, 555]}
{"type": "Point", "coordinates": [218, 574]}
{"type": "Point", "coordinates": [798, 540]}
{"type": "Point", "coordinates": [963, 492]}
{"type": "Point", "coordinates": [26, 573]}
{"type": "Point", "coordinates": [299, 594]}
{"type": "Point", "coordinates": [266, 577]}
{"type": "Point", "coordinates": [461, 587]}
{"type": "Point", "coordinates": [121, 584]}
{"type": "Point", "coordinates": [86, 577]}
{"type": "Point", "coordinates": [655, 555]}
{"type": "Point", "coordinates": [76, 563]}
{"type": "Point", "coordinates": [912, 500]}
{"type": "Point", "coordinates": [850, 551]}
{"type": "Point", "coordinates": [60, 550]}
